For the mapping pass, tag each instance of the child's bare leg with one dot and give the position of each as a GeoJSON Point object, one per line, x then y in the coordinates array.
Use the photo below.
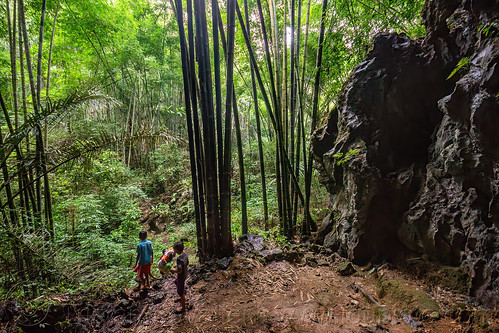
{"type": "Point", "coordinates": [142, 283]}
{"type": "Point", "coordinates": [182, 304]}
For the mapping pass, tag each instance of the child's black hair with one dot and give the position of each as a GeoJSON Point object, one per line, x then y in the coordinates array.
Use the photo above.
{"type": "Point", "coordinates": [179, 246]}
{"type": "Point", "coordinates": [143, 234]}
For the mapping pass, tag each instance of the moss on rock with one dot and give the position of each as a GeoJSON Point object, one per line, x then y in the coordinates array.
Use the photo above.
{"type": "Point", "coordinates": [411, 301]}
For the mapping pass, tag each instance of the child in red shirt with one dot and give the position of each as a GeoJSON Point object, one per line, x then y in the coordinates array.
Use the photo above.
{"type": "Point", "coordinates": [165, 259]}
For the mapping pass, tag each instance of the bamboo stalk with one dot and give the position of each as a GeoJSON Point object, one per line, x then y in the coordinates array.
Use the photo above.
{"type": "Point", "coordinates": [318, 66]}
{"type": "Point", "coordinates": [190, 129]}
{"type": "Point", "coordinates": [258, 129]}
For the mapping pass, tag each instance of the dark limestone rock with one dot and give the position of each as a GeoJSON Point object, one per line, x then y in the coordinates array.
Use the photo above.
{"type": "Point", "coordinates": [321, 261]}
{"type": "Point", "coordinates": [293, 256]}
{"type": "Point", "coordinates": [310, 260]}
{"type": "Point", "coordinates": [272, 255]}
{"type": "Point", "coordinates": [224, 262]}
{"type": "Point", "coordinates": [325, 228]}
{"type": "Point", "coordinates": [315, 248]}
{"type": "Point", "coordinates": [123, 304]}
{"type": "Point", "coordinates": [345, 268]}
{"type": "Point", "coordinates": [249, 243]}
{"type": "Point", "coordinates": [8, 310]}
{"type": "Point", "coordinates": [127, 323]}
{"type": "Point", "coordinates": [156, 299]}
{"type": "Point", "coordinates": [411, 156]}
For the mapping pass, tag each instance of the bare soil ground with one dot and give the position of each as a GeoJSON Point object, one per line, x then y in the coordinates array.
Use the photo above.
{"type": "Point", "coordinates": [313, 290]}
{"type": "Point", "coordinates": [283, 297]}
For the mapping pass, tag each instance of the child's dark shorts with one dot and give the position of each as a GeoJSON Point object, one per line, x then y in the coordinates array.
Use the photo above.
{"type": "Point", "coordinates": [180, 286]}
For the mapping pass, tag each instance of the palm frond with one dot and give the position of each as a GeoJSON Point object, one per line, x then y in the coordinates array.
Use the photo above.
{"type": "Point", "coordinates": [74, 148]}
{"type": "Point", "coordinates": [53, 110]}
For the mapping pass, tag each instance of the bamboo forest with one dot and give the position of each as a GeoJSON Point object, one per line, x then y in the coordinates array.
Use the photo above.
{"type": "Point", "coordinates": [249, 166]}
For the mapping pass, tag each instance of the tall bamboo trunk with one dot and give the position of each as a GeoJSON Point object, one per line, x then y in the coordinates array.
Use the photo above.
{"type": "Point", "coordinates": [276, 121]}
{"type": "Point", "coordinates": [304, 59]}
{"type": "Point", "coordinates": [258, 128]}
{"type": "Point", "coordinates": [225, 198]}
{"type": "Point", "coordinates": [28, 189]}
{"type": "Point", "coordinates": [302, 101]}
{"type": "Point", "coordinates": [315, 104]}
{"type": "Point", "coordinates": [47, 93]}
{"type": "Point", "coordinates": [39, 137]}
{"type": "Point", "coordinates": [275, 44]}
{"type": "Point", "coordinates": [292, 109]}
{"type": "Point", "coordinates": [38, 130]}
{"type": "Point", "coordinates": [284, 74]}
{"type": "Point", "coordinates": [40, 53]}
{"type": "Point", "coordinates": [296, 113]}
{"type": "Point", "coordinates": [206, 93]}
{"type": "Point", "coordinates": [190, 129]}
{"type": "Point", "coordinates": [5, 172]}
{"type": "Point", "coordinates": [244, 209]}
{"type": "Point", "coordinates": [130, 125]}
{"type": "Point", "coordinates": [12, 32]}
{"type": "Point", "coordinates": [36, 108]}
{"type": "Point", "coordinates": [14, 220]}
{"type": "Point", "coordinates": [275, 100]}
{"type": "Point", "coordinates": [281, 168]}
{"type": "Point", "coordinates": [194, 88]}
{"type": "Point", "coordinates": [215, 12]}
{"type": "Point", "coordinates": [230, 51]}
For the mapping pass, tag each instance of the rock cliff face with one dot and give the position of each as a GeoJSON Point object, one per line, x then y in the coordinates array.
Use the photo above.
{"type": "Point", "coordinates": [411, 157]}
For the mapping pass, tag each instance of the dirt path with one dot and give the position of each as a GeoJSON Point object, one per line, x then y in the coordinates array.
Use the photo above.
{"type": "Point", "coordinates": [259, 291]}
{"type": "Point", "coordinates": [283, 297]}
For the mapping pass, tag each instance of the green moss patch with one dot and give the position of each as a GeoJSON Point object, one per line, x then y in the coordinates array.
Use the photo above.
{"type": "Point", "coordinates": [449, 277]}
{"type": "Point", "coordinates": [410, 300]}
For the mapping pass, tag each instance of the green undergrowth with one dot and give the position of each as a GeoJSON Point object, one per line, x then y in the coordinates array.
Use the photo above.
{"type": "Point", "coordinates": [185, 232]}
{"type": "Point", "coordinates": [98, 206]}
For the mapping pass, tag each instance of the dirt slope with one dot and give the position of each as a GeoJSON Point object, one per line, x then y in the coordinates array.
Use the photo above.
{"type": "Point", "coordinates": [267, 289]}
{"type": "Point", "coordinates": [284, 297]}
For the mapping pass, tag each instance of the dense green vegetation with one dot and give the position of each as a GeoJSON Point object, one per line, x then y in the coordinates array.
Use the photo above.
{"type": "Point", "coordinates": [98, 138]}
